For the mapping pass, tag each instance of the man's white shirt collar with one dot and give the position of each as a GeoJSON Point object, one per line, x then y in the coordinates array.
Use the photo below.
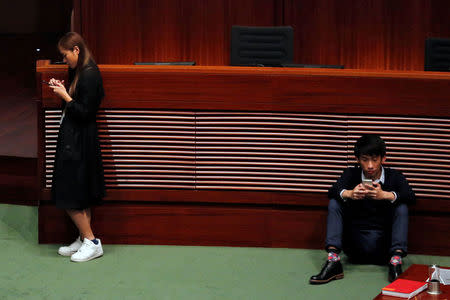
{"type": "Point", "coordinates": [381, 179]}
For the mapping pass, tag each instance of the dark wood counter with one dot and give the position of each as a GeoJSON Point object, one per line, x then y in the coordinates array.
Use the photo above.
{"type": "Point", "coordinates": [242, 156]}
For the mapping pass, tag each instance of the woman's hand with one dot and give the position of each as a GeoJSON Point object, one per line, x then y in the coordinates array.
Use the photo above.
{"type": "Point", "coordinates": [54, 81]}
{"type": "Point", "coordinates": [59, 89]}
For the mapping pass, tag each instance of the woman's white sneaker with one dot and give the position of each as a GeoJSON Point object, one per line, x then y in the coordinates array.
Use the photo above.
{"type": "Point", "coordinates": [89, 250]}
{"type": "Point", "coordinates": [71, 249]}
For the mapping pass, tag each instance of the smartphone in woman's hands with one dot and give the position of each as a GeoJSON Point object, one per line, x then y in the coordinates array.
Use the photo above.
{"type": "Point", "coordinates": [47, 83]}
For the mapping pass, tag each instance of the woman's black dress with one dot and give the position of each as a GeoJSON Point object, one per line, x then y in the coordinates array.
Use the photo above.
{"type": "Point", "coordinates": [78, 181]}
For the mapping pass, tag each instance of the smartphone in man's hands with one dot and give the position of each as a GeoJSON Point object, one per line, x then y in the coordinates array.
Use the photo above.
{"type": "Point", "coordinates": [367, 182]}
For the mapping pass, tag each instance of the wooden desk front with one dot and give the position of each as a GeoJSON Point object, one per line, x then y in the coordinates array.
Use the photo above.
{"type": "Point", "coordinates": [244, 156]}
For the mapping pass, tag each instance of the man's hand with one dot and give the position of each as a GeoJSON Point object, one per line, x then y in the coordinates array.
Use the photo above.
{"type": "Point", "coordinates": [358, 193]}
{"type": "Point", "coordinates": [376, 193]}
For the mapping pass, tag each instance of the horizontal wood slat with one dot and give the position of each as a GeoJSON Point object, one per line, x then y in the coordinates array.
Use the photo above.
{"type": "Point", "coordinates": [288, 143]}
{"type": "Point", "coordinates": [140, 149]}
{"type": "Point", "coordinates": [256, 151]}
{"type": "Point", "coordinates": [419, 146]}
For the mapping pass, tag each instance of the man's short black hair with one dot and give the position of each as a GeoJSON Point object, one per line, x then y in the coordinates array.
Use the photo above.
{"type": "Point", "coordinates": [370, 144]}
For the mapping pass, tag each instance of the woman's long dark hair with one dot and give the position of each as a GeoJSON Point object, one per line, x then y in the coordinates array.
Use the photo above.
{"type": "Point", "coordinates": [68, 42]}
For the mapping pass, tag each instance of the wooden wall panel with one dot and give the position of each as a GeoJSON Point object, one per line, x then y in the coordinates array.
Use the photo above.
{"type": "Point", "coordinates": [405, 39]}
{"type": "Point", "coordinates": [123, 32]}
{"type": "Point", "coordinates": [439, 20]}
{"type": "Point", "coordinates": [370, 34]}
{"type": "Point", "coordinates": [317, 37]}
{"type": "Point", "coordinates": [223, 225]}
{"type": "Point", "coordinates": [197, 30]}
{"type": "Point", "coordinates": [428, 234]}
{"type": "Point", "coordinates": [229, 88]}
{"type": "Point", "coordinates": [233, 102]}
{"type": "Point", "coordinates": [112, 29]}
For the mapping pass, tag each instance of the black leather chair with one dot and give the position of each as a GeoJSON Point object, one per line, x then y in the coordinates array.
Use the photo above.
{"type": "Point", "coordinates": [262, 46]}
{"type": "Point", "coordinates": [437, 54]}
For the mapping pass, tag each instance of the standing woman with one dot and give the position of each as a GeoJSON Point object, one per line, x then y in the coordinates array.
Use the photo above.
{"type": "Point", "coordinates": [78, 181]}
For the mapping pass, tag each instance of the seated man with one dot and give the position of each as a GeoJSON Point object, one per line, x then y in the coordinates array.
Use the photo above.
{"type": "Point", "coordinates": [367, 213]}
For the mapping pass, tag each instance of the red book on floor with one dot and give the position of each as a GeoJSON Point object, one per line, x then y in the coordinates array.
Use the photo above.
{"type": "Point", "coordinates": [404, 288]}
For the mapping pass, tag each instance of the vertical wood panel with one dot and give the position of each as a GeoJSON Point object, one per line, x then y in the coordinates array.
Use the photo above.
{"type": "Point", "coordinates": [123, 32]}
{"type": "Point", "coordinates": [405, 38]}
{"type": "Point", "coordinates": [163, 32]}
{"type": "Point", "coordinates": [197, 30]}
{"type": "Point", "coordinates": [112, 30]}
{"type": "Point", "coordinates": [369, 34]}
{"type": "Point", "coordinates": [316, 32]}
{"type": "Point", "coordinates": [439, 19]}
{"type": "Point", "coordinates": [75, 19]}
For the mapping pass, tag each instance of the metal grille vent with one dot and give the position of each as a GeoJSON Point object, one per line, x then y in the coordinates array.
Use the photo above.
{"type": "Point", "coordinates": [269, 151]}
{"type": "Point", "coordinates": [140, 149]}
{"type": "Point", "coordinates": [256, 151]}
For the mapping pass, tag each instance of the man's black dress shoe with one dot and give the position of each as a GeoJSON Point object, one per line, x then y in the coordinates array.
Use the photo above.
{"type": "Point", "coordinates": [394, 271]}
{"type": "Point", "coordinates": [331, 270]}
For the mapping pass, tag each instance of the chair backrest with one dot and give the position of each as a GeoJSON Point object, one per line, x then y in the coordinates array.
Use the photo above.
{"type": "Point", "coordinates": [261, 46]}
{"type": "Point", "coordinates": [437, 54]}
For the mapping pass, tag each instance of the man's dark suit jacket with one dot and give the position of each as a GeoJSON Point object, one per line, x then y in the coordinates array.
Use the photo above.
{"type": "Point", "coordinates": [367, 213]}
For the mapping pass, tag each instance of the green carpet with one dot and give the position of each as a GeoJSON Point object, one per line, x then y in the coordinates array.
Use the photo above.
{"type": "Point", "coordinates": [33, 271]}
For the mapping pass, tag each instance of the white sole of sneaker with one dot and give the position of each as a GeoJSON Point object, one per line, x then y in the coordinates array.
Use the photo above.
{"type": "Point", "coordinates": [66, 253]}
{"type": "Point", "coordinates": [87, 259]}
